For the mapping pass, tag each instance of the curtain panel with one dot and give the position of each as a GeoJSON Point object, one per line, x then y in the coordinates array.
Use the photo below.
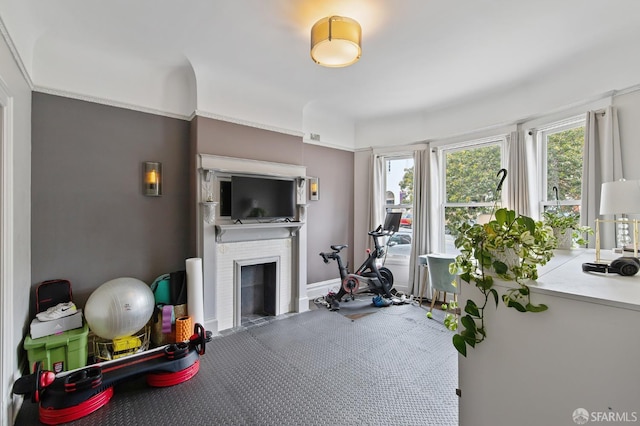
{"type": "Point", "coordinates": [601, 162]}
{"type": "Point", "coordinates": [517, 177]}
{"type": "Point", "coordinates": [421, 182]}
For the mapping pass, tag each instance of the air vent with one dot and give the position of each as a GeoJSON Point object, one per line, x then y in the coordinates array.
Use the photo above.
{"type": "Point", "coordinates": [315, 136]}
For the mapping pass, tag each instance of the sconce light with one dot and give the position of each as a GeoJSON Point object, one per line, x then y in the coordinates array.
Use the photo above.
{"type": "Point", "coordinates": [314, 189]}
{"type": "Point", "coordinates": [208, 204]}
{"type": "Point", "coordinates": [152, 178]}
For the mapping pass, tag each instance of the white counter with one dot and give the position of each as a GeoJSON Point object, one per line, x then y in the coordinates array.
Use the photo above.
{"type": "Point", "coordinates": [538, 368]}
{"type": "Point", "coordinates": [563, 277]}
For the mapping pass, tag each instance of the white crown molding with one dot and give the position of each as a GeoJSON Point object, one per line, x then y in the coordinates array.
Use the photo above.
{"type": "Point", "coordinates": [108, 102]}
{"type": "Point", "coordinates": [248, 123]}
{"type": "Point", "coordinates": [190, 117]}
{"type": "Point", "coordinates": [328, 145]}
{"type": "Point", "coordinates": [14, 52]}
{"type": "Point", "coordinates": [627, 90]}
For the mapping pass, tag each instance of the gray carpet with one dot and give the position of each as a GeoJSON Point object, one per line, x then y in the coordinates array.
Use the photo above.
{"type": "Point", "coordinates": [392, 366]}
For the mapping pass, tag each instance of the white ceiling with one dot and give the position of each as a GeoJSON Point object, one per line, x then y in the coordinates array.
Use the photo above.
{"type": "Point", "coordinates": [426, 64]}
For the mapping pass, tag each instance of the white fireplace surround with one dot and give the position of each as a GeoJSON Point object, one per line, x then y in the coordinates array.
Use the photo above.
{"type": "Point", "coordinates": [225, 247]}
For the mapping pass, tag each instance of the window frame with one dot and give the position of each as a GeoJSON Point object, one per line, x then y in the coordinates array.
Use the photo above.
{"type": "Point", "coordinates": [442, 151]}
{"type": "Point", "coordinates": [542, 134]}
{"type": "Point", "coordinates": [392, 207]}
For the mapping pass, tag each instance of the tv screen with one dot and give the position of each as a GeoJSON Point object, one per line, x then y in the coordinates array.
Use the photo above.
{"type": "Point", "coordinates": [256, 198]}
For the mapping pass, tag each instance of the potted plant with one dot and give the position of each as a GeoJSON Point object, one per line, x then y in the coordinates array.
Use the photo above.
{"type": "Point", "coordinates": [510, 247]}
{"type": "Point", "coordinates": [566, 225]}
{"type": "Point", "coordinates": [566, 228]}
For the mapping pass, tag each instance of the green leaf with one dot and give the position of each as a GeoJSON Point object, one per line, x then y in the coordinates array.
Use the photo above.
{"type": "Point", "coordinates": [469, 323]}
{"type": "Point", "coordinates": [460, 344]}
{"type": "Point", "coordinates": [536, 308]}
{"type": "Point", "coordinates": [528, 223]}
{"type": "Point", "coordinates": [483, 284]}
{"type": "Point", "coordinates": [516, 305]}
{"type": "Point", "coordinates": [469, 337]}
{"type": "Point", "coordinates": [500, 267]}
{"type": "Point", "coordinates": [495, 295]}
{"type": "Point", "coordinates": [471, 308]}
{"type": "Point", "coordinates": [524, 290]}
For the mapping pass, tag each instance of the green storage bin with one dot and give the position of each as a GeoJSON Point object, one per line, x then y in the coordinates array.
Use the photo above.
{"type": "Point", "coordinates": [59, 352]}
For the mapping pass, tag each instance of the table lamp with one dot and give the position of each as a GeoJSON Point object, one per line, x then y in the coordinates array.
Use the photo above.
{"type": "Point", "coordinates": [621, 197]}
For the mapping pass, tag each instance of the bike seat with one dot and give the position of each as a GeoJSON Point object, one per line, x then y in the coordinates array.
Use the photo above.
{"type": "Point", "coordinates": [339, 247]}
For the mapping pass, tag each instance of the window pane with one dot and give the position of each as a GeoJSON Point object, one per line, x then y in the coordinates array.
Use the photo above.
{"type": "Point", "coordinates": [564, 164]}
{"type": "Point", "coordinates": [399, 180]}
{"type": "Point", "coordinates": [399, 197]}
{"type": "Point", "coordinates": [456, 216]}
{"type": "Point", "coordinates": [471, 174]}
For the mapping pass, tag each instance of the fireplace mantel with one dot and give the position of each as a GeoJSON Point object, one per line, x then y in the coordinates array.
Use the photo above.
{"type": "Point", "coordinates": [256, 231]}
{"type": "Point", "coordinates": [222, 244]}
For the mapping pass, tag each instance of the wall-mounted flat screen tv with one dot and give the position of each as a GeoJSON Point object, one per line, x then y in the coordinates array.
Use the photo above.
{"type": "Point", "coordinates": [262, 198]}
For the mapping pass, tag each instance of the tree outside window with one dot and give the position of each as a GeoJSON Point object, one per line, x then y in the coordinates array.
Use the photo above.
{"type": "Point", "coordinates": [562, 150]}
{"type": "Point", "coordinates": [469, 186]}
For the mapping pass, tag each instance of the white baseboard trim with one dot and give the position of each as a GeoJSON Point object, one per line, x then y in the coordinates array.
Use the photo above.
{"type": "Point", "coordinates": [211, 325]}
{"type": "Point", "coordinates": [322, 288]}
{"type": "Point", "coordinates": [303, 304]}
{"type": "Point", "coordinates": [15, 400]}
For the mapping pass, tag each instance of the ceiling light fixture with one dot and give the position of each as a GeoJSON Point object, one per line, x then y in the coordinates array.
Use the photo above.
{"type": "Point", "coordinates": [335, 41]}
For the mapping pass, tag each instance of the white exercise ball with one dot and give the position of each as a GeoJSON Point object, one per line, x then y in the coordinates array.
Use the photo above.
{"type": "Point", "coordinates": [119, 308]}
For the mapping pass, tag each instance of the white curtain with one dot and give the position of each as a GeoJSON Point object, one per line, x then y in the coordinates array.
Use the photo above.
{"type": "Point", "coordinates": [420, 244]}
{"type": "Point", "coordinates": [531, 152]}
{"type": "Point", "coordinates": [517, 181]}
{"type": "Point", "coordinates": [377, 191]}
{"type": "Point", "coordinates": [601, 162]}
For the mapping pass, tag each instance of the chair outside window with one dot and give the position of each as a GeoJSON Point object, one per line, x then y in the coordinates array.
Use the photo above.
{"type": "Point", "coordinates": [440, 278]}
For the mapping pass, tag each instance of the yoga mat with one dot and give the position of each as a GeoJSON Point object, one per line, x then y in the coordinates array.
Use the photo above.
{"type": "Point", "coordinates": [184, 328]}
{"type": "Point", "coordinates": [195, 294]}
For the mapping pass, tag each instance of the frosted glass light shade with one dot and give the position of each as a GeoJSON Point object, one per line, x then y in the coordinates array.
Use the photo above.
{"type": "Point", "coordinates": [152, 178]}
{"type": "Point", "coordinates": [336, 41]}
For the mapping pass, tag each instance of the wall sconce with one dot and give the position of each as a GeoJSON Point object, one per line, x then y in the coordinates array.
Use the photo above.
{"type": "Point", "coordinates": [208, 204]}
{"type": "Point", "coordinates": [314, 189]}
{"type": "Point", "coordinates": [152, 178]}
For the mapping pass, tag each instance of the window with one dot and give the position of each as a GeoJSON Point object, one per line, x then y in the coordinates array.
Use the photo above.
{"type": "Point", "coordinates": [399, 198]}
{"type": "Point", "coordinates": [561, 147]}
{"type": "Point", "coordinates": [469, 182]}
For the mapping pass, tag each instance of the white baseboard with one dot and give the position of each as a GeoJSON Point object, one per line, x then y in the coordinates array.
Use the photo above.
{"type": "Point", "coordinates": [303, 304]}
{"type": "Point", "coordinates": [15, 400]}
{"type": "Point", "coordinates": [211, 325]}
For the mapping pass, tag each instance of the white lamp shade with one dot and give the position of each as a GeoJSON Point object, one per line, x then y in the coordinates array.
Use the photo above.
{"type": "Point", "coordinates": [620, 197]}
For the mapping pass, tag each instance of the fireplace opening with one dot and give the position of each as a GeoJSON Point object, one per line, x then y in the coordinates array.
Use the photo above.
{"type": "Point", "coordinates": [257, 292]}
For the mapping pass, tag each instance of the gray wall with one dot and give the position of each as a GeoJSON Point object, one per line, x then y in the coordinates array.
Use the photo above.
{"type": "Point", "coordinates": [329, 220]}
{"type": "Point", "coordinates": [331, 217]}
{"type": "Point", "coordinates": [90, 221]}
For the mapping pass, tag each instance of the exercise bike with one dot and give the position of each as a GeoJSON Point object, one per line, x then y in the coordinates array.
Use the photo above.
{"type": "Point", "coordinates": [378, 280]}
